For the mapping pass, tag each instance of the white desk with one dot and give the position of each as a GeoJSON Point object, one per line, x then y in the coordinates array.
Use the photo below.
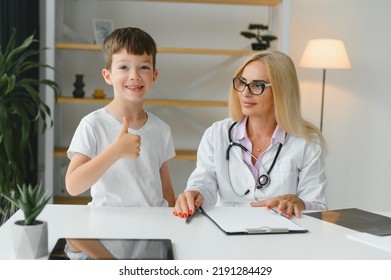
{"type": "Point", "coordinates": [200, 239]}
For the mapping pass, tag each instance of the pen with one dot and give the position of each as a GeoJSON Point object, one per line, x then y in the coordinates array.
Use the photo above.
{"type": "Point", "coordinates": [188, 219]}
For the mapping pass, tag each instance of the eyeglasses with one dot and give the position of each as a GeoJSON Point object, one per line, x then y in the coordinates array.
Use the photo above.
{"type": "Point", "coordinates": [255, 88]}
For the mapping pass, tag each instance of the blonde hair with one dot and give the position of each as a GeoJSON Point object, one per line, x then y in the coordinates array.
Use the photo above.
{"type": "Point", "coordinates": [286, 93]}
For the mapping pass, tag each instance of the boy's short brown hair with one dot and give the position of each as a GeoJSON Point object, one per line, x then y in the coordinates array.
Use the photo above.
{"type": "Point", "coordinates": [134, 40]}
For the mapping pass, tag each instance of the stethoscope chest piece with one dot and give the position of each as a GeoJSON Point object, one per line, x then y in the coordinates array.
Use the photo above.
{"type": "Point", "coordinates": [264, 181]}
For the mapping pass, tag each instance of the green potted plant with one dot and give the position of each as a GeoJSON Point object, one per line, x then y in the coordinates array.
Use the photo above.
{"type": "Point", "coordinates": [30, 236]}
{"type": "Point", "coordinates": [21, 109]}
{"type": "Point", "coordinates": [263, 40]}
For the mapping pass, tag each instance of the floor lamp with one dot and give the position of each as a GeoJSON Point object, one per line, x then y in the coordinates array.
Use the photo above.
{"type": "Point", "coordinates": [325, 54]}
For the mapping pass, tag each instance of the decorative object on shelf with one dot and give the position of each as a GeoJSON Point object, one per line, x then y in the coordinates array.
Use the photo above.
{"type": "Point", "coordinates": [263, 40]}
{"type": "Point", "coordinates": [102, 29]}
{"type": "Point", "coordinates": [21, 110]}
{"type": "Point", "coordinates": [99, 93]}
{"type": "Point", "coordinates": [325, 54]}
{"type": "Point", "coordinates": [30, 236]}
{"type": "Point", "coordinates": [78, 92]}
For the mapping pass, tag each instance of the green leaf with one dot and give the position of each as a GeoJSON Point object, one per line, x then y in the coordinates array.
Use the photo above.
{"type": "Point", "coordinates": [14, 51]}
{"type": "Point", "coordinates": [36, 211]}
{"type": "Point", "coordinates": [248, 34]}
{"type": "Point", "coordinates": [26, 125]}
{"type": "Point", "coordinates": [254, 26]}
{"type": "Point", "coordinates": [31, 201]}
{"type": "Point", "coordinates": [268, 38]}
{"type": "Point", "coordinates": [11, 200]}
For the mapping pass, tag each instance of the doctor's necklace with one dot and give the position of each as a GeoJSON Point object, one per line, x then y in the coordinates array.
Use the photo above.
{"type": "Point", "coordinates": [263, 145]}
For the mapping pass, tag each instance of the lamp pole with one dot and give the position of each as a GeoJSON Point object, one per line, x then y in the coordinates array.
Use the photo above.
{"type": "Point", "coordinates": [321, 109]}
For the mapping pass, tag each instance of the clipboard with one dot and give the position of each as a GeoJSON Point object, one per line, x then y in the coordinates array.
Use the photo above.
{"type": "Point", "coordinates": [250, 220]}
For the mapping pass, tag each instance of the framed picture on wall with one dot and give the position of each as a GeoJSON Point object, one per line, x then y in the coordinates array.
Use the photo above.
{"type": "Point", "coordinates": [102, 28]}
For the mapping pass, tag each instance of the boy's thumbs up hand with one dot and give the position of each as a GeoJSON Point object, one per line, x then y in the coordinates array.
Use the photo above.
{"type": "Point", "coordinates": [128, 145]}
{"type": "Point", "coordinates": [125, 125]}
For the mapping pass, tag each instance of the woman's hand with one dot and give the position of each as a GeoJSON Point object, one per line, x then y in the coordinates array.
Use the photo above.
{"type": "Point", "coordinates": [186, 203]}
{"type": "Point", "coordinates": [287, 205]}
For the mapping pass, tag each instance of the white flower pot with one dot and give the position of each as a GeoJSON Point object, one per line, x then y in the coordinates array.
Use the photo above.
{"type": "Point", "coordinates": [30, 242]}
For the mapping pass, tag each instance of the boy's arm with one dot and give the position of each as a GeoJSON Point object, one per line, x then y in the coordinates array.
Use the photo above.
{"type": "Point", "coordinates": [168, 191]}
{"type": "Point", "coordinates": [92, 247]}
{"type": "Point", "coordinates": [83, 172]}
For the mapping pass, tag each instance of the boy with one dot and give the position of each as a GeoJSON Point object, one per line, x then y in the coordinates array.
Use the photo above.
{"type": "Point", "coordinates": [121, 151]}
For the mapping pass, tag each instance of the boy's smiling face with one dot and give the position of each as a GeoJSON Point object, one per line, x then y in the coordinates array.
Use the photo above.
{"type": "Point", "coordinates": [131, 76]}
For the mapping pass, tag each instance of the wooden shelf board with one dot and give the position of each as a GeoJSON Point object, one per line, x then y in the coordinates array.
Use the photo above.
{"type": "Point", "coordinates": [78, 46]}
{"type": "Point", "coordinates": [93, 47]}
{"type": "Point", "coordinates": [71, 200]}
{"type": "Point", "coordinates": [205, 51]}
{"type": "Point", "coordinates": [147, 102]}
{"type": "Point", "coordinates": [60, 152]}
{"type": "Point", "coordinates": [186, 154]}
{"type": "Point", "coordinates": [229, 2]}
{"type": "Point", "coordinates": [181, 154]}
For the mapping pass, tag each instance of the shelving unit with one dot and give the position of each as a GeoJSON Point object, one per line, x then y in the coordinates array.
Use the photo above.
{"type": "Point", "coordinates": [227, 2]}
{"type": "Point", "coordinates": [93, 47]}
{"type": "Point", "coordinates": [59, 152]}
{"type": "Point", "coordinates": [147, 102]}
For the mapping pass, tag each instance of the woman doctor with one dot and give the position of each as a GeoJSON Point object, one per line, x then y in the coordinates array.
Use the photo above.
{"type": "Point", "coordinates": [266, 154]}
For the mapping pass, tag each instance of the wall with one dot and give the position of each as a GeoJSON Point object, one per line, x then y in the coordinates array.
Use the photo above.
{"type": "Point", "coordinates": [357, 101]}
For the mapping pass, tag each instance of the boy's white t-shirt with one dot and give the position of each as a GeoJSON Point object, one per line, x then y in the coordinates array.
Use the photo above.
{"type": "Point", "coordinates": [128, 182]}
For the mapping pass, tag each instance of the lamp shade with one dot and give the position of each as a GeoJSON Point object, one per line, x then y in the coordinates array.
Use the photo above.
{"type": "Point", "coordinates": [325, 54]}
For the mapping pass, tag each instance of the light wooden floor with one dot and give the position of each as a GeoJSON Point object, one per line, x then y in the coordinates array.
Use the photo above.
{"type": "Point", "coordinates": [71, 200]}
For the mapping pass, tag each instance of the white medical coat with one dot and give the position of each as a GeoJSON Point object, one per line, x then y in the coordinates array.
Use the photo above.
{"type": "Point", "coordinates": [299, 170]}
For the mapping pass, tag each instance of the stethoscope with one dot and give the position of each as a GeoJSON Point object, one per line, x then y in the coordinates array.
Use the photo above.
{"type": "Point", "coordinates": [264, 179]}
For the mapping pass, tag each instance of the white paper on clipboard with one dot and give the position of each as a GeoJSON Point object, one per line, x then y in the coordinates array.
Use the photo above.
{"type": "Point", "coordinates": [250, 220]}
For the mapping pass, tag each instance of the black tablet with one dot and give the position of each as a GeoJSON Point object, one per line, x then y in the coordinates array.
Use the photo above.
{"type": "Point", "coordinates": [356, 219]}
{"type": "Point", "coordinates": [123, 249]}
